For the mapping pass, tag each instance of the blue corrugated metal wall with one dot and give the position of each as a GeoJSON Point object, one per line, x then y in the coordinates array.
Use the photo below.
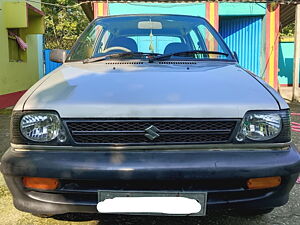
{"type": "Point", "coordinates": [243, 35]}
{"type": "Point", "coordinates": [49, 65]}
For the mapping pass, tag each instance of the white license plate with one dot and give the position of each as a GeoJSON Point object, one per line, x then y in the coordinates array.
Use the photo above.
{"type": "Point", "coordinates": [152, 203]}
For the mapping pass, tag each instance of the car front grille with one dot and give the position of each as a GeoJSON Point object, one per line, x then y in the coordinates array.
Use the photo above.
{"type": "Point", "coordinates": [151, 131]}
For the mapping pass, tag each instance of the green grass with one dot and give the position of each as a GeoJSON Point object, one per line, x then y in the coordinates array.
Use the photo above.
{"type": "Point", "coordinates": [5, 111]}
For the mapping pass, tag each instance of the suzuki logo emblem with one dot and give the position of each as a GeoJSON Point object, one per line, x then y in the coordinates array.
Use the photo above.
{"type": "Point", "coordinates": [151, 132]}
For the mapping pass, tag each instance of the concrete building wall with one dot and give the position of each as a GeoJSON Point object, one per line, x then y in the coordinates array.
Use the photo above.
{"type": "Point", "coordinates": [17, 76]}
{"type": "Point", "coordinates": [286, 62]}
{"type": "Point", "coordinates": [192, 9]}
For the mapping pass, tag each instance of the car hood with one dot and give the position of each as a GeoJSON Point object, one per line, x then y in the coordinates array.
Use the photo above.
{"type": "Point", "coordinates": [135, 89]}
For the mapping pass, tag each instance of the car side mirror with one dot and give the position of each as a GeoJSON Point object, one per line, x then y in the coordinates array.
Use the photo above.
{"type": "Point", "coordinates": [58, 55]}
{"type": "Point", "coordinates": [236, 56]}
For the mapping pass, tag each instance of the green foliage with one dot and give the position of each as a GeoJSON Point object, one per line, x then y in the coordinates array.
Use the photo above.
{"type": "Point", "coordinates": [63, 25]}
{"type": "Point", "coordinates": [288, 31]}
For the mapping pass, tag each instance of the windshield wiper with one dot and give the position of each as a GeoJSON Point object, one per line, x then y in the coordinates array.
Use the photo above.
{"type": "Point", "coordinates": [118, 55]}
{"type": "Point", "coordinates": [167, 56]}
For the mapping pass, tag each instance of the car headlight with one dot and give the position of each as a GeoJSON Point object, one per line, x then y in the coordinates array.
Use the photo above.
{"type": "Point", "coordinates": [41, 126]}
{"type": "Point", "coordinates": [263, 126]}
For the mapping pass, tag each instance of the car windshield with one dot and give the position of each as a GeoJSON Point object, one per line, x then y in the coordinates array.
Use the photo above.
{"type": "Point", "coordinates": [152, 35]}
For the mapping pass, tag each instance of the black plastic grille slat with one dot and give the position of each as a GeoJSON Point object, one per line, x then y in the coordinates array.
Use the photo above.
{"type": "Point", "coordinates": [184, 131]}
{"type": "Point", "coordinates": [119, 139]}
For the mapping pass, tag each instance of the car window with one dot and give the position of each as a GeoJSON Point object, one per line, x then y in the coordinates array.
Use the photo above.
{"type": "Point", "coordinates": [86, 43]}
{"type": "Point", "coordinates": [160, 34]}
{"type": "Point", "coordinates": [103, 40]}
{"type": "Point", "coordinates": [194, 39]}
{"type": "Point", "coordinates": [153, 43]}
{"type": "Point", "coordinates": [210, 42]}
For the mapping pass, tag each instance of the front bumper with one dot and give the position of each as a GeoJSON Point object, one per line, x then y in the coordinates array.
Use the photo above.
{"type": "Point", "coordinates": [222, 174]}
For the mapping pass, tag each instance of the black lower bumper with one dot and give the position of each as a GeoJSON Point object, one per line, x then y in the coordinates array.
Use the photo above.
{"type": "Point", "coordinates": [222, 174]}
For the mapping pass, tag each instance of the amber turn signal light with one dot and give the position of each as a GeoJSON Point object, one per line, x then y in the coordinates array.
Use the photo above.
{"type": "Point", "coordinates": [40, 183]}
{"type": "Point", "coordinates": [263, 182]}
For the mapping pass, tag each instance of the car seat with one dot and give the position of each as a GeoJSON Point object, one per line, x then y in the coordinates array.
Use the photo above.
{"type": "Point", "coordinates": [123, 42]}
{"type": "Point", "coordinates": [176, 47]}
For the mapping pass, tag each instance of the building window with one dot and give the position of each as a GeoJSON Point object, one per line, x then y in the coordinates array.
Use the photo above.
{"type": "Point", "coordinates": [16, 54]}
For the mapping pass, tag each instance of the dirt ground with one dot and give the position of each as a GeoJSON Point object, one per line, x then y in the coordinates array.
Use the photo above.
{"type": "Point", "coordinates": [286, 215]}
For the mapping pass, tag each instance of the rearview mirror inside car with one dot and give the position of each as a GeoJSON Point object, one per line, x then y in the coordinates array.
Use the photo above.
{"type": "Point", "coordinates": [149, 25]}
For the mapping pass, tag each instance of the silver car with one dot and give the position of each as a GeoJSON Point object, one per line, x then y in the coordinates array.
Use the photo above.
{"type": "Point", "coordinates": [150, 114]}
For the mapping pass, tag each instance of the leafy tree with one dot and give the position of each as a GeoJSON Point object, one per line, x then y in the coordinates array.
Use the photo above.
{"type": "Point", "coordinates": [63, 25]}
{"type": "Point", "coordinates": [288, 31]}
